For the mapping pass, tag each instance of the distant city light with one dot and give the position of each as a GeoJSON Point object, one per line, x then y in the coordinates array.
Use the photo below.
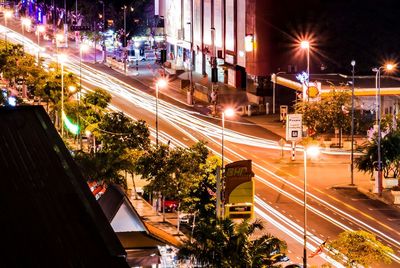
{"type": "Point", "coordinates": [305, 44]}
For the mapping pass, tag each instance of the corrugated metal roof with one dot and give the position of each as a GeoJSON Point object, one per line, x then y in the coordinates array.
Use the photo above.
{"type": "Point", "coordinates": [50, 217]}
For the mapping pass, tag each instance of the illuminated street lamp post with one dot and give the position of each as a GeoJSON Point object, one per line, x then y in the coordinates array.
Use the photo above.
{"type": "Point", "coordinates": [353, 64]}
{"type": "Point", "coordinates": [229, 112]}
{"type": "Point", "coordinates": [62, 59]}
{"type": "Point", "coordinates": [40, 29]}
{"type": "Point", "coordinates": [7, 15]}
{"type": "Point", "coordinates": [274, 79]}
{"type": "Point", "coordinates": [161, 83]}
{"type": "Point", "coordinates": [312, 151]}
{"type": "Point", "coordinates": [387, 67]}
{"type": "Point", "coordinates": [306, 45]}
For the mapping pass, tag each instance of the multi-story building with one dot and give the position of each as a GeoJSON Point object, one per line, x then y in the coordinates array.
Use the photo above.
{"type": "Point", "coordinates": [233, 37]}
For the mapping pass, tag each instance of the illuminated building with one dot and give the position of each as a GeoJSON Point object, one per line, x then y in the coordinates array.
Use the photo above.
{"type": "Point", "coordinates": [236, 32]}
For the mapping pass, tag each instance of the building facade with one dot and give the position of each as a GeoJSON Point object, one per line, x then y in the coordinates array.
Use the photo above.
{"type": "Point", "coordinates": [233, 37]}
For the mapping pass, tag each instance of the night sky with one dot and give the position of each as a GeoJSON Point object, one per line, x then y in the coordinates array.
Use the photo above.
{"type": "Point", "coordinates": [365, 30]}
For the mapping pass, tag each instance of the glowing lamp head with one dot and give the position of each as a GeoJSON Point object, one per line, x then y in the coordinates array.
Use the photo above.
{"type": "Point", "coordinates": [312, 151]}
{"type": "Point", "coordinates": [84, 47]}
{"type": "Point", "coordinates": [162, 83]}
{"type": "Point", "coordinates": [137, 44]}
{"type": "Point", "coordinates": [7, 14]}
{"type": "Point", "coordinates": [229, 112]}
{"type": "Point", "coordinates": [72, 89]}
{"type": "Point", "coordinates": [88, 133]}
{"type": "Point", "coordinates": [40, 28]}
{"type": "Point", "coordinates": [26, 22]}
{"type": "Point", "coordinates": [305, 44]}
{"type": "Point", "coordinates": [389, 67]}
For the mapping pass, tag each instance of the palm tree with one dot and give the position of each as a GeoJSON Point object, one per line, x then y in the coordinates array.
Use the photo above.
{"type": "Point", "coordinates": [222, 243]}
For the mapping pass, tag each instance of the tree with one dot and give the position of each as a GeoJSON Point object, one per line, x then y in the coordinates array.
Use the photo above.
{"type": "Point", "coordinates": [173, 172]}
{"type": "Point", "coordinates": [118, 132]}
{"type": "Point", "coordinates": [221, 243]}
{"type": "Point", "coordinates": [102, 167]}
{"type": "Point", "coordinates": [390, 155]}
{"type": "Point", "coordinates": [328, 114]}
{"type": "Point", "coordinates": [356, 248]}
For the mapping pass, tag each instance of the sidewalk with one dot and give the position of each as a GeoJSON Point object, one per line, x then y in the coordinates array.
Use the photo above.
{"type": "Point", "coordinates": [148, 214]}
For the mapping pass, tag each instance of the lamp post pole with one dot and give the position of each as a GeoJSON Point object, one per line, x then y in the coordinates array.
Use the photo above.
{"type": "Point", "coordinates": [353, 64]}
{"type": "Point", "coordinates": [306, 45]}
{"type": "Point", "coordinates": [305, 210]}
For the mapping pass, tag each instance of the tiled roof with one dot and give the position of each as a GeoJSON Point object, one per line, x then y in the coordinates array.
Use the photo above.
{"type": "Point", "coordinates": [49, 216]}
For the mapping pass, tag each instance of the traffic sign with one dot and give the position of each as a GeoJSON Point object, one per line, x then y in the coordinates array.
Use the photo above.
{"type": "Point", "coordinates": [80, 28]}
{"type": "Point", "coordinates": [294, 127]}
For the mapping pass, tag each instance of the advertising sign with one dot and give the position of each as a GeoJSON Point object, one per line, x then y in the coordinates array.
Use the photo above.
{"type": "Point", "coordinates": [239, 189]}
{"type": "Point", "coordinates": [294, 127]}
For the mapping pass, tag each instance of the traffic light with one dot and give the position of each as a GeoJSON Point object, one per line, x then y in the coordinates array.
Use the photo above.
{"type": "Point", "coordinates": [163, 55]}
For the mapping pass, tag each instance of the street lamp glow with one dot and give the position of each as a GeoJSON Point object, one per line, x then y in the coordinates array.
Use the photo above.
{"type": "Point", "coordinates": [40, 29]}
{"type": "Point", "coordinates": [7, 14]}
{"type": "Point", "coordinates": [84, 47]}
{"type": "Point", "coordinates": [26, 22]}
{"type": "Point", "coordinates": [137, 44]}
{"type": "Point", "coordinates": [229, 112]}
{"type": "Point", "coordinates": [162, 83]}
{"type": "Point", "coordinates": [389, 67]}
{"type": "Point", "coordinates": [313, 151]}
{"type": "Point", "coordinates": [62, 58]}
{"type": "Point", "coordinates": [72, 89]}
{"type": "Point", "coordinates": [305, 44]}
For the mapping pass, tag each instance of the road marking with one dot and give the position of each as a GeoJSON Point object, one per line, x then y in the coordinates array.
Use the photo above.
{"type": "Point", "coordinates": [379, 209]}
{"type": "Point", "coordinates": [359, 199]}
{"type": "Point", "coordinates": [391, 219]}
{"type": "Point", "coordinates": [283, 211]}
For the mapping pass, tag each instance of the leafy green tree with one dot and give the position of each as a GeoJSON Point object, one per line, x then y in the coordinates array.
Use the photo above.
{"type": "Point", "coordinates": [221, 243]}
{"type": "Point", "coordinates": [328, 114]}
{"type": "Point", "coordinates": [102, 167]}
{"type": "Point", "coordinates": [118, 132]}
{"type": "Point", "coordinates": [173, 172]}
{"type": "Point", "coordinates": [356, 248]}
{"type": "Point", "coordinates": [201, 195]}
{"type": "Point", "coordinates": [390, 155]}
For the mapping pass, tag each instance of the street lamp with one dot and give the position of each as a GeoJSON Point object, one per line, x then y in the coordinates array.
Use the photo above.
{"type": "Point", "coordinates": [353, 64]}
{"type": "Point", "coordinates": [229, 112]}
{"type": "Point", "coordinates": [388, 67]}
{"type": "Point", "coordinates": [312, 151]}
{"type": "Point", "coordinates": [161, 83]}
{"type": "Point", "coordinates": [62, 58]}
{"type": "Point", "coordinates": [7, 15]}
{"type": "Point", "coordinates": [305, 44]}
{"type": "Point", "coordinates": [39, 29]}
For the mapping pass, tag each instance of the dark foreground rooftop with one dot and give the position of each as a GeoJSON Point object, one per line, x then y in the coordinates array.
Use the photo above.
{"type": "Point", "coordinates": [49, 216]}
